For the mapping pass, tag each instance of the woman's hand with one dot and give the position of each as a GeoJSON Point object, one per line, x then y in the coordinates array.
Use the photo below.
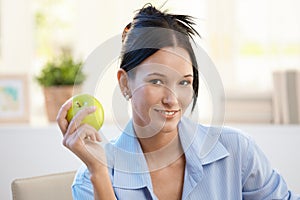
{"type": "Point", "coordinates": [81, 139]}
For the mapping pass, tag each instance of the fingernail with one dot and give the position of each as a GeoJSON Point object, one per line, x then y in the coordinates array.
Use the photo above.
{"type": "Point", "coordinates": [93, 108]}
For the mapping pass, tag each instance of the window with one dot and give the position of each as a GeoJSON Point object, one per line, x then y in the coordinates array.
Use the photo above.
{"type": "Point", "coordinates": [54, 22]}
{"type": "Point", "coordinates": [268, 38]}
{"type": "Point", "coordinates": [248, 40]}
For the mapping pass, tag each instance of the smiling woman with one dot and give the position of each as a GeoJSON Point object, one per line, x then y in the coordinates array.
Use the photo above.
{"type": "Point", "coordinates": [132, 170]}
{"type": "Point", "coordinates": [159, 155]}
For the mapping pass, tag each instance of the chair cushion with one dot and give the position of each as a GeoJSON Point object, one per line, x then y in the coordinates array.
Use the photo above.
{"type": "Point", "coordinates": [47, 187]}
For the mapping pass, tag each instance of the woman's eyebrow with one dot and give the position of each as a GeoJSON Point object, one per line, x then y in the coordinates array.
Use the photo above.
{"type": "Point", "coordinates": [188, 75]}
{"type": "Point", "coordinates": [156, 74]}
{"type": "Point", "coordinates": [162, 75]}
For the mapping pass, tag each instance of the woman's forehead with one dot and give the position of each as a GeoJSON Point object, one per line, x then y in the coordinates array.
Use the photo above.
{"type": "Point", "coordinates": [168, 60]}
{"type": "Point", "coordinates": [157, 69]}
{"type": "Point", "coordinates": [169, 53]}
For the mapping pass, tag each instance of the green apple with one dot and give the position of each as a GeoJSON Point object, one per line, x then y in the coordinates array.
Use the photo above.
{"type": "Point", "coordinates": [81, 101]}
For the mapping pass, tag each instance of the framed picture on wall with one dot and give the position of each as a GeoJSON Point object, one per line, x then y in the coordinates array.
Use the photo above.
{"type": "Point", "coordinates": [14, 104]}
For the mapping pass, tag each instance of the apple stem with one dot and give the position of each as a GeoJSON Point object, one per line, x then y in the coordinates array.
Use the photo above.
{"type": "Point", "coordinates": [79, 105]}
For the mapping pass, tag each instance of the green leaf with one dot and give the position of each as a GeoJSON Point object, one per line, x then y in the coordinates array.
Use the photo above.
{"type": "Point", "coordinates": [62, 70]}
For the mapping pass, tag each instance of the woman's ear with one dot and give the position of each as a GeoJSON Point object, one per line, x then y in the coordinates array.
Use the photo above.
{"type": "Point", "coordinates": [123, 80]}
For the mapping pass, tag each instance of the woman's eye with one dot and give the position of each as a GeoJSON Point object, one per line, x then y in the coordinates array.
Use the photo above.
{"type": "Point", "coordinates": [185, 82]}
{"type": "Point", "coordinates": [156, 82]}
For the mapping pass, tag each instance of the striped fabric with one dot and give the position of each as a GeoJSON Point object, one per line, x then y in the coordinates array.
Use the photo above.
{"type": "Point", "coordinates": [234, 168]}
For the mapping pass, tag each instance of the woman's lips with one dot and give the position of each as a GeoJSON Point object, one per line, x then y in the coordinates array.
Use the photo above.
{"type": "Point", "coordinates": [168, 113]}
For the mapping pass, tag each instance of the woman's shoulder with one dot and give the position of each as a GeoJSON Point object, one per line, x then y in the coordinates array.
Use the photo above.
{"type": "Point", "coordinates": [226, 132]}
{"type": "Point", "coordinates": [230, 137]}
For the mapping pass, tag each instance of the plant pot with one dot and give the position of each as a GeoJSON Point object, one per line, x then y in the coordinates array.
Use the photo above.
{"type": "Point", "coordinates": [55, 96]}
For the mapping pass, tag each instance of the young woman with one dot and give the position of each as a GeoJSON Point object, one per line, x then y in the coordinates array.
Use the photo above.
{"type": "Point", "coordinates": [158, 154]}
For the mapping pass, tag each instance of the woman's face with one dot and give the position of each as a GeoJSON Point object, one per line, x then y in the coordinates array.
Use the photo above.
{"type": "Point", "coordinates": [161, 90]}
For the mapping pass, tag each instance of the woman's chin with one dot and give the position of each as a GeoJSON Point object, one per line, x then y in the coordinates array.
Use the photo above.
{"type": "Point", "coordinates": [165, 125]}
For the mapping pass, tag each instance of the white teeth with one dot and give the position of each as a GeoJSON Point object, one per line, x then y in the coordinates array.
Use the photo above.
{"type": "Point", "coordinates": [167, 113]}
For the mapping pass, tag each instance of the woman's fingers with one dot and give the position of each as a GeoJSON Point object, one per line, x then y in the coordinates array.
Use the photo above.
{"type": "Point", "coordinates": [80, 138]}
{"type": "Point", "coordinates": [83, 142]}
{"type": "Point", "coordinates": [77, 140]}
{"type": "Point", "coordinates": [98, 138]}
{"type": "Point", "coordinates": [87, 132]}
{"type": "Point", "coordinates": [62, 114]}
{"type": "Point", "coordinates": [77, 119]}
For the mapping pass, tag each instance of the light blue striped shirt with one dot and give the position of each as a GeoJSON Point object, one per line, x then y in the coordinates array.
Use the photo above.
{"type": "Point", "coordinates": [233, 168]}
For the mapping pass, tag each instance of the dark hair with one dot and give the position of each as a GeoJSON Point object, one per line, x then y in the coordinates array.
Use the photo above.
{"type": "Point", "coordinates": [152, 30]}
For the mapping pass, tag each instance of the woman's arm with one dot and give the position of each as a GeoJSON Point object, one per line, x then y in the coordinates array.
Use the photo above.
{"type": "Point", "coordinates": [82, 140]}
{"type": "Point", "coordinates": [260, 180]}
{"type": "Point", "coordinates": [101, 180]}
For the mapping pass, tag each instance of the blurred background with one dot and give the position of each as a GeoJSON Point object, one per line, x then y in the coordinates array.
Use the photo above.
{"type": "Point", "coordinates": [254, 46]}
{"type": "Point", "coordinates": [247, 41]}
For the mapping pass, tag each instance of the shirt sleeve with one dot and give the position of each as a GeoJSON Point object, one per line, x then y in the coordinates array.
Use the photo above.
{"type": "Point", "coordinates": [82, 187]}
{"type": "Point", "coordinates": [260, 181]}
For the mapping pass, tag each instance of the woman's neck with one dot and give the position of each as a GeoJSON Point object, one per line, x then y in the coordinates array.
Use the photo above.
{"type": "Point", "coordinates": [161, 149]}
{"type": "Point", "coordinates": [158, 141]}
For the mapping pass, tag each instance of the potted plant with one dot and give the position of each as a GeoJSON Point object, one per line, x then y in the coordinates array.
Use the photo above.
{"type": "Point", "coordinates": [60, 77]}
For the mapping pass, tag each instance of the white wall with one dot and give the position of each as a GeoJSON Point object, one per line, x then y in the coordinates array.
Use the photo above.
{"type": "Point", "coordinates": [29, 151]}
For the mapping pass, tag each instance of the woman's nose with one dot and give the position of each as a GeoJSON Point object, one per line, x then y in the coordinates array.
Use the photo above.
{"type": "Point", "coordinates": [169, 97]}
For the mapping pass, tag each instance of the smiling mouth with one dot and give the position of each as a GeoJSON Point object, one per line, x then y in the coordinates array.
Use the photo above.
{"type": "Point", "coordinates": [168, 113]}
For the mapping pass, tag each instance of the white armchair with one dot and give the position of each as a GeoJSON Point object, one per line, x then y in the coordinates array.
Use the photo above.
{"type": "Point", "coordinates": [47, 187]}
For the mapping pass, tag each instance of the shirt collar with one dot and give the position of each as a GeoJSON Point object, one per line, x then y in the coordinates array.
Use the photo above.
{"type": "Point", "coordinates": [202, 140]}
{"type": "Point", "coordinates": [129, 165]}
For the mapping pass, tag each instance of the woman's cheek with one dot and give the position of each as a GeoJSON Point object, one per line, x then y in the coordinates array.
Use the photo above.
{"type": "Point", "coordinates": [145, 97]}
{"type": "Point", "coordinates": [153, 94]}
{"type": "Point", "coordinates": [185, 96]}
